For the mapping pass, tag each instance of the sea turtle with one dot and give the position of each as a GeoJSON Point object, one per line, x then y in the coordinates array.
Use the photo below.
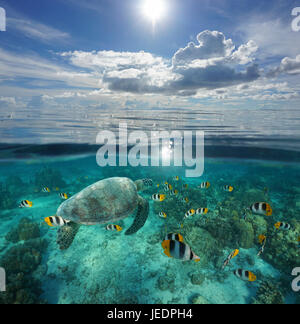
{"type": "Point", "coordinates": [105, 201]}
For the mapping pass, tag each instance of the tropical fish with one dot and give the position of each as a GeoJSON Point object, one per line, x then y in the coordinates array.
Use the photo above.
{"type": "Point", "coordinates": [148, 182]}
{"type": "Point", "coordinates": [56, 221]}
{"type": "Point", "coordinates": [232, 255]}
{"type": "Point", "coordinates": [26, 204]}
{"type": "Point", "coordinates": [204, 185]}
{"type": "Point", "coordinates": [162, 215]}
{"type": "Point", "coordinates": [174, 192]}
{"type": "Point", "coordinates": [63, 196]}
{"type": "Point", "coordinates": [228, 188]}
{"type": "Point", "coordinates": [262, 240]}
{"type": "Point", "coordinates": [261, 208]}
{"type": "Point", "coordinates": [283, 226]}
{"type": "Point", "coordinates": [185, 186]}
{"type": "Point", "coordinates": [166, 188]}
{"type": "Point", "coordinates": [46, 189]}
{"type": "Point", "coordinates": [201, 211]}
{"type": "Point", "coordinates": [174, 237]}
{"type": "Point", "coordinates": [189, 213]}
{"type": "Point", "coordinates": [245, 275]}
{"type": "Point", "coordinates": [179, 250]}
{"type": "Point", "coordinates": [158, 197]}
{"type": "Point", "coordinates": [176, 178]}
{"type": "Point", "coordinates": [157, 185]}
{"type": "Point", "coordinates": [185, 200]}
{"type": "Point", "coordinates": [112, 227]}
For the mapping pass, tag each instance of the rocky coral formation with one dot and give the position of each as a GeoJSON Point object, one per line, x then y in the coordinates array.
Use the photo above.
{"type": "Point", "coordinates": [282, 249]}
{"type": "Point", "coordinates": [20, 262]}
{"type": "Point", "coordinates": [166, 281]}
{"type": "Point", "coordinates": [232, 232]}
{"type": "Point", "coordinates": [197, 278]}
{"type": "Point", "coordinates": [202, 243]}
{"type": "Point", "coordinates": [200, 300]}
{"type": "Point", "coordinates": [268, 293]}
{"type": "Point", "coordinates": [26, 230]}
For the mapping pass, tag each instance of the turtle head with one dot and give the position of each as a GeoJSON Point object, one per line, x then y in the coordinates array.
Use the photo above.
{"type": "Point", "coordinates": [143, 184]}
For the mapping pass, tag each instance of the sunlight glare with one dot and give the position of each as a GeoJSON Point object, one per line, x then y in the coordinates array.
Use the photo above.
{"type": "Point", "coordinates": [154, 9]}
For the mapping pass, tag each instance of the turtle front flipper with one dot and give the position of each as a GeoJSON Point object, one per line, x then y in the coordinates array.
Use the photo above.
{"type": "Point", "coordinates": [66, 235]}
{"type": "Point", "coordinates": [140, 218]}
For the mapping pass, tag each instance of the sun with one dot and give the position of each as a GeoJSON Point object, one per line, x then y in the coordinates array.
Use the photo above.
{"type": "Point", "coordinates": [154, 9]}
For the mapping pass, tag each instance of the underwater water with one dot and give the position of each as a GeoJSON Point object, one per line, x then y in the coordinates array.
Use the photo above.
{"type": "Point", "coordinates": [110, 267]}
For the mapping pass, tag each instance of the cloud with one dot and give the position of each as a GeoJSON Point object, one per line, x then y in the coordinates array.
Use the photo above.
{"type": "Point", "coordinates": [10, 101]}
{"type": "Point", "coordinates": [273, 36]}
{"type": "Point", "coordinates": [104, 60]}
{"type": "Point", "coordinates": [287, 66]}
{"type": "Point", "coordinates": [211, 64]}
{"type": "Point", "coordinates": [35, 30]}
{"type": "Point", "coordinates": [16, 67]}
{"type": "Point", "coordinates": [212, 44]}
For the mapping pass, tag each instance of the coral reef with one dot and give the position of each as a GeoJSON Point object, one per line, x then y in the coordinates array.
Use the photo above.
{"type": "Point", "coordinates": [166, 281]}
{"type": "Point", "coordinates": [268, 293]}
{"type": "Point", "coordinates": [232, 232]}
{"type": "Point", "coordinates": [197, 278]}
{"type": "Point", "coordinates": [202, 243]}
{"type": "Point", "coordinates": [20, 262]}
{"type": "Point", "coordinates": [26, 230]}
{"type": "Point", "coordinates": [281, 248]}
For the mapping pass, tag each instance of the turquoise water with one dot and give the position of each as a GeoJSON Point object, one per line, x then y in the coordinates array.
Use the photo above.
{"type": "Point", "coordinates": [108, 267]}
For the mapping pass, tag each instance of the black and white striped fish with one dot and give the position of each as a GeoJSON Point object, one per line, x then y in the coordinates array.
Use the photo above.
{"type": "Point", "coordinates": [283, 226]}
{"type": "Point", "coordinates": [56, 221]}
{"type": "Point", "coordinates": [112, 227]}
{"type": "Point", "coordinates": [261, 208]}
{"type": "Point", "coordinates": [204, 185]}
{"type": "Point", "coordinates": [174, 237]}
{"type": "Point", "coordinates": [162, 215]}
{"type": "Point", "coordinates": [63, 196]}
{"type": "Point", "coordinates": [201, 211]}
{"type": "Point", "coordinates": [179, 250]}
{"type": "Point", "coordinates": [25, 204]}
{"type": "Point", "coordinates": [189, 213]}
{"type": "Point", "coordinates": [245, 275]}
{"type": "Point", "coordinates": [158, 197]}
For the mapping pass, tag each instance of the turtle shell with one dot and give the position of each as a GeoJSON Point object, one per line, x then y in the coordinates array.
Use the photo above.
{"type": "Point", "coordinates": [104, 201]}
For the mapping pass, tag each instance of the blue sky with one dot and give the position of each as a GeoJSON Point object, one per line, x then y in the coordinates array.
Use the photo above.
{"type": "Point", "coordinates": [106, 53]}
